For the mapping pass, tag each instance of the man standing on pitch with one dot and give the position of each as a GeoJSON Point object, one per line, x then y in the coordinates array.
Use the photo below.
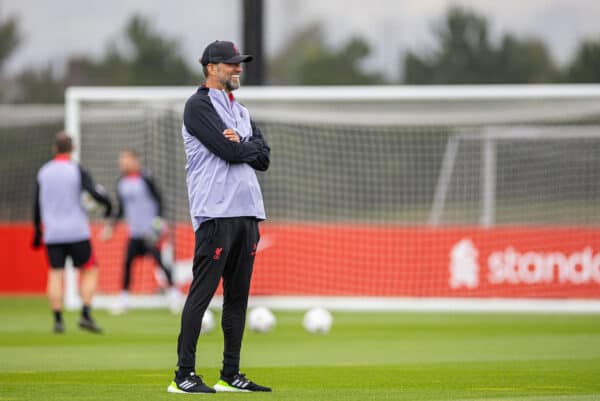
{"type": "Point", "coordinates": [223, 148]}
{"type": "Point", "coordinates": [66, 231]}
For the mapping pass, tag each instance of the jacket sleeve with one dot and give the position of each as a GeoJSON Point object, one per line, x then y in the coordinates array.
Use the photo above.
{"type": "Point", "coordinates": [262, 161]}
{"type": "Point", "coordinates": [118, 215]}
{"type": "Point", "coordinates": [37, 216]}
{"type": "Point", "coordinates": [203, 122]}
{"type": "Point", "coordinates": [155, 193]}
{"type": "Point", "coordinates": [87, 184]}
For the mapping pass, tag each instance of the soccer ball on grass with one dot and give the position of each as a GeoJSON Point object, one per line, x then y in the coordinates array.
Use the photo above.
{"type": "Point", "coordinates": [317, 321]}
{"type": "Point", "coordinates": [261, 320]}
{"type": "Point", "coordinates": [208, 322]}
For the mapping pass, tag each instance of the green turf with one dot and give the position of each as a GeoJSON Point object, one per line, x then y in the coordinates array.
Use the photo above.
{"type": "Point", "coordinates": [386, 356]}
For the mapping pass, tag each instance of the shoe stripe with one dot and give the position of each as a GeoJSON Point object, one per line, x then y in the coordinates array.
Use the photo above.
{"type": "Point", "coordinates": [186, 385]}
{"type": "Point", "coordinates": [245, 384]}
{"type": "Point", "coordinates": [235, 382]}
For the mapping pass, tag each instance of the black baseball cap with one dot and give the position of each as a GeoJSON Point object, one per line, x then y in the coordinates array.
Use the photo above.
{"type": "Point", "coordinates": [221, 51]}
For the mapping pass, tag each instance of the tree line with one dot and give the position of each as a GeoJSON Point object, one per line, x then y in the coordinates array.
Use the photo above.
{"type": "Point", "coordinates": [463, 53]}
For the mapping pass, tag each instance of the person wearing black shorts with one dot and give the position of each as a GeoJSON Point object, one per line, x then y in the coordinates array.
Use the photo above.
{"type": "Point", "coordinates": [80, 253]}
{"type": "Point", "coordinates": [61, 222]}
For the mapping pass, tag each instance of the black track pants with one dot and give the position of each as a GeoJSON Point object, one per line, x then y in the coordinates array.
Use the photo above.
{"type": "Point", "coordinates": [139, 247]}
{"type": "Point", "coordinates": [225, 247]}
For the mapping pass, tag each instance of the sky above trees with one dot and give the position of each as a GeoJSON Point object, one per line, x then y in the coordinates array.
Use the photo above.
{"type": "Point", "coordinates": [56, 30]}
{"type": "Point", "coordinates": [462, 48]}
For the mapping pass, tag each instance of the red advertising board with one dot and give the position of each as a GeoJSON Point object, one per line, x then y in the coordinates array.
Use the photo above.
{"type": "Point", "coordinates": [363, 260]}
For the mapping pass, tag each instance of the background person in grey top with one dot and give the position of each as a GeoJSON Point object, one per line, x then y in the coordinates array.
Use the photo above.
{"type": "Point", "coordinates": [223, 148]}
{"type": "Point", "coordinates": [60, 219]}
{"type": "Point", "coordinates": [140, 202]}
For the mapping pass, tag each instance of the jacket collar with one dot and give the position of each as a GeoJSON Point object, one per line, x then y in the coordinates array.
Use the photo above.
{"type": "Point", "coordinates": [62, 157]}
{"type": "Point", "coordinates": [203, 89]}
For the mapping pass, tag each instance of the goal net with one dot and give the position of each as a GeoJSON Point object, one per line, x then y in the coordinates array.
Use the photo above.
{"type": "Point", "coordinates": [379, 197]}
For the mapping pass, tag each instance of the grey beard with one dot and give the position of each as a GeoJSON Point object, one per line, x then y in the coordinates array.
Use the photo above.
{"type": "Point", "coordinates": [231, 85]}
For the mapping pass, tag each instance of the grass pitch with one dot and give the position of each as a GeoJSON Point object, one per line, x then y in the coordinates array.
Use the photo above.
{"type": "Point", "coordinates": [367, 356]}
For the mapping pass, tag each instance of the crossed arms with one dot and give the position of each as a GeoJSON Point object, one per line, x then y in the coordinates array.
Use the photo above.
{"type": "Point", "coordinates": [203, 122]}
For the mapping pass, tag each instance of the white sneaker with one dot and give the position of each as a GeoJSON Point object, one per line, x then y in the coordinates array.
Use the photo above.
{"type": "Point", "coordinates": [121, 305]}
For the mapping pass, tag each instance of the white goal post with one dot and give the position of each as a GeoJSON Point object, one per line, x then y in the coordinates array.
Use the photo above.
{"type": "Point", "coordinates": [506, 113]}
